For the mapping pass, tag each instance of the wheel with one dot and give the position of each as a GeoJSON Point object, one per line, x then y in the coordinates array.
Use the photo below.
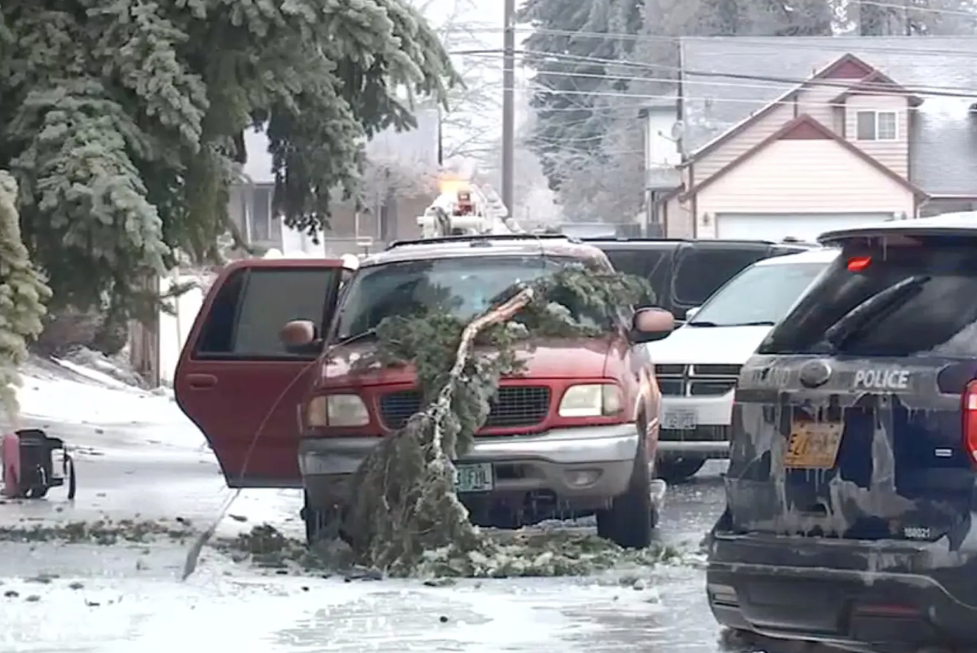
{"type": "Point", "coordinates": [676, 470]}
{"type": "Point", "coordinates": [632, 517]}
{"type": "Point", "coordinates": [319, 524]}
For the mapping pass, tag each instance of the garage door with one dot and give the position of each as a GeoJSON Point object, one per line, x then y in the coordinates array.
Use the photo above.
{"type": "Point", "coordinates": [777, 226]}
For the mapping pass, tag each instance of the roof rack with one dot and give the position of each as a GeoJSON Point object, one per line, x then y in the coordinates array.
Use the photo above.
{"type": "Point", "coordinates": [479, 238]}
{"type": "Point", "coordinates": [790, 240]}
{"type": "Point", "coordinates": [625, 239]}
{"type": "Point", "coordinates": [642, 239]}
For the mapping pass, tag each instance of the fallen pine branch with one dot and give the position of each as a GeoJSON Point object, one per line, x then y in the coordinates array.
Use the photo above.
{"type": "Point", "coordinates": [405, 503]}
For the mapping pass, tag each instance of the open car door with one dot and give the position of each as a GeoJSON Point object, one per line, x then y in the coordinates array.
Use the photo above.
{"type": "Point", "coordinates": [235, 380]}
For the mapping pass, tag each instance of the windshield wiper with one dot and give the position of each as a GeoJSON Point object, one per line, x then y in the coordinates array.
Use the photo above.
{"type": "Point", "coordinates": [853, 322]}
{"type": "Point", "coordinates": [704, 323]}
{"type": "Point", "coordinates": [362, 335]}
{"type": "Point", "coordinates": [754, 323]}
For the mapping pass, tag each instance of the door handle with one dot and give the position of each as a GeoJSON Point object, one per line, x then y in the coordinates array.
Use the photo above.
{"type": "Point", "coordinates": [202, 380]}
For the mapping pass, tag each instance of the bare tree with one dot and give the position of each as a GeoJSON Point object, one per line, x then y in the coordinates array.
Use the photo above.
{"type": "Point", "coordinates": [472, 36]}
{"type": "Point", "coordinates": [386, 174]}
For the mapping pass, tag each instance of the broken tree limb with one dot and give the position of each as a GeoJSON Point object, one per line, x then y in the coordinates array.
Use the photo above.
{"type": "Point", "coordinates": [403, 516]}
{"type": "Point", "coordinates": [404, 502]}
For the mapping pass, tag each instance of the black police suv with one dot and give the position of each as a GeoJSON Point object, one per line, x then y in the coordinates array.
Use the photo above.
{"type": "Point", "coordinates": [851, 488]}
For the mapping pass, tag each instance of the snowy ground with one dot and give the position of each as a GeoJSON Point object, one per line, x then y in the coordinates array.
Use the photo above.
{"type": "Point", "coordinates": [138, 458]}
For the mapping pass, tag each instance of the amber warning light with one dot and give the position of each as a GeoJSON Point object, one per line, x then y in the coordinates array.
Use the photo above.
{"type": "Point", "coordinates": [859, 263]}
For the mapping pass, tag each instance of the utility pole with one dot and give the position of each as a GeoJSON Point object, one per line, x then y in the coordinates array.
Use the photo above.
{"type": "Point", "coordinates": [509, 106]}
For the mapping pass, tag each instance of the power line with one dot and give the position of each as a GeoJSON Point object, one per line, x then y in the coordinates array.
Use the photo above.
{"type": "Point", "coordinates": [794, 42]}
{"type": "Point", "coordinates": [938, 91]}
{"type": "Point", "coordinates": [879, 90]}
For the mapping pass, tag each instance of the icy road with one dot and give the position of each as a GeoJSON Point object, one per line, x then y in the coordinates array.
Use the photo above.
{"type": "Point", "coordinates": [138, 458]}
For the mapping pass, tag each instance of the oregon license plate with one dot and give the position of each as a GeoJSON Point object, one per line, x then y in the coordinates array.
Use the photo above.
{"type": "Point", "coordinates": [474, 478]}
{"type": "Point", "coordinates": [813, 445]}
{"type": "Point", "coordinates": [679, 420]}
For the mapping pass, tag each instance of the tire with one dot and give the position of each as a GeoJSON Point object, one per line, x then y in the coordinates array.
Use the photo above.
{"type": "Point", "coordinates": [319, 524]}
{"type": "Point", "coordinates": [632, 517]}
{"type": "Point", "coordinates": [677, 470]}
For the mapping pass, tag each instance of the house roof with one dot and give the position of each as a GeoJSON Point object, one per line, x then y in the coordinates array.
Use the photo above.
{"type": "Point", "coordinates": [804, 127]}
{"type": "Point", "coordinates": [874, 84]}
{"type": "Point", "coordinates": [944, 136]}
{"type": "Point", "coordinates": [847, 66]}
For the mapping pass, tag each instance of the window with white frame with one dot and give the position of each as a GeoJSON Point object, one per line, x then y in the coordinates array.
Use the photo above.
{"type": "Point", "coordinates": [876, 126]}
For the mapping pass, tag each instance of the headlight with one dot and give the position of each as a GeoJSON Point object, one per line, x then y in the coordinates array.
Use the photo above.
{"type": "Point", "coordinates": [591, 400]}
{"type": "Point", "coordinates": [337, 410]}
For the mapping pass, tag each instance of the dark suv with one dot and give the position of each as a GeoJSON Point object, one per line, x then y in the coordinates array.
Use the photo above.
{"type": "Point", "coordinates": [851, 487]}
{"type": "Point", "coordinates": [685, 273]}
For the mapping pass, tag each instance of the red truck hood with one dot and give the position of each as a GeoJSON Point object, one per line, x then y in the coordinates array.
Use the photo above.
{"type": "Point", "coordinates": [563, 359]}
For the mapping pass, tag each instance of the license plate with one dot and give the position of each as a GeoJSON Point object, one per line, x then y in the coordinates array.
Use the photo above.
{"type": "Point", "coordinates": [680, 420]}
{"type": "Point", "coordinates": [813, 445]}
{"type": "Point", "coordinates": [474, 478]}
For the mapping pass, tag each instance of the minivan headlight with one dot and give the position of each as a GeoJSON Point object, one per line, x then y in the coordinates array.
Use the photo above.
{"type": "Point", "coordinates": [337, 410]}
{"type": "Point", "coordinates": [591, 400]}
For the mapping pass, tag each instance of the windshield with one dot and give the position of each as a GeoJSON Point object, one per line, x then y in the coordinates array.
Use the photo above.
{"type": "Point", "coordinates": [462, 286]}
{"type": "Point", "coordinates": [760, 295]}
{"type": "Point", "coordinates": [910, 298]}
{"type": "Point", "coordinates": [701, 270]}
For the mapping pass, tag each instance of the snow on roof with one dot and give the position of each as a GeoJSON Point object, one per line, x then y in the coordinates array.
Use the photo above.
{"type": "Point", "coordinates": [943, 133]}
{"type": "Point", "coordinates": [962, 223]}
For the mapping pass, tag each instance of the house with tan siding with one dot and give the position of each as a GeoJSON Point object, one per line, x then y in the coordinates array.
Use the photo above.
{"type": "Point", "coordinates": [794, 136]}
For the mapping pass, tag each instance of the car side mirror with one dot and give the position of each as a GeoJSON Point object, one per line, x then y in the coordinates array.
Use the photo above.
{"type": "Point", "coordinates": [300, 337]}
{"type": "Point", "coordinates": [690, 312]}
{"type": "Point", "coordinates": [651, 324]}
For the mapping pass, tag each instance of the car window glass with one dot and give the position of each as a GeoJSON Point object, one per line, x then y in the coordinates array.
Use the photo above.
{"type": "Point", "coordinates": [463, 286]}
{"type": "Point", "coordinates": [251, 307]}
{"type": "Point", "coordinates": [273, 297]}
{"type": "Point", "coordinates": [702, 271]}
{"type": "Point", "coordinates": [937, 318]}
{"type": "Point", "coordinates": [644, 263]}
{"type": "Point", "coordinates": [758, 295]}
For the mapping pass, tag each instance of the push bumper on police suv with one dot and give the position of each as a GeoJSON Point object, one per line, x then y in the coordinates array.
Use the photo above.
{"type": "Point", "coordinates": [583, 467]}
{"type": "Point", "coordinates": [887, 596]}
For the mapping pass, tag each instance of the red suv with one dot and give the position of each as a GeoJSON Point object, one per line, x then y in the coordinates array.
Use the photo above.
{"type": "Point", "coordinates": [575, 433]}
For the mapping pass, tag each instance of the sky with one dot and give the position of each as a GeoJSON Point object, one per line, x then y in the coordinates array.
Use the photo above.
{"type": "Point", "coordinates": [477, 25]}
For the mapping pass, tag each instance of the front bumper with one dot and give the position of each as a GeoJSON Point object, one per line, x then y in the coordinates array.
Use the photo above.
{"type": "Point", "coordinates": [695, 427]}
{"type": "Point", "coordinates": [880, 596]}
{"type": "Point", "coordinates": [550, 461]}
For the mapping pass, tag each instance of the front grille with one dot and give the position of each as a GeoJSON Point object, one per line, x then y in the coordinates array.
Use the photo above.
{"type": "Point", "coordinates": [716, 370]}
{"type": "Point", "coordinates": [701, 433]}
{"type": "Point", "coordinates": [670, 370]}
{"type": "Point", "coordinates": [513, 407]}
{"type": "Point", "coordinates": [710, 388]}
{"type": "Point", "coordinates": [671, 387]}
{"type": "Point", "coordinates": [707, 380]}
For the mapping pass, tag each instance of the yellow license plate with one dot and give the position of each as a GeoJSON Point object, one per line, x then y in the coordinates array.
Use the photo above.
{"type": "Point", "coordinates": [813, 445]}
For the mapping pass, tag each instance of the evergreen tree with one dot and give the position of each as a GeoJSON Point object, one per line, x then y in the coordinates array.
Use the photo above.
{"type": "Point", "coordinates": [22, 296]}
{"type": "Point", "coordinates": [122, 120]}
{"type": "Point", "coordinates": [572, 75]}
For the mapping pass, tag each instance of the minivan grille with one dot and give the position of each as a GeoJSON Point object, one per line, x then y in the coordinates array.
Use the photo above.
{"type": "Point", "coordinates": [514, 406]}
{"type": "Point", "coordinates": [707, 380]}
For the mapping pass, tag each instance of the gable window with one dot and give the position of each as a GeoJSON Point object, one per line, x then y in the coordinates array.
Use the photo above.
{"type": "Point", "coordinates": [876, 126]}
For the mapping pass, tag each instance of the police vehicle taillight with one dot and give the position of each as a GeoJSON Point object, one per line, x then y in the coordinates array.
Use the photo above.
{"type": "Point", "coordinates": [970, 421]}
